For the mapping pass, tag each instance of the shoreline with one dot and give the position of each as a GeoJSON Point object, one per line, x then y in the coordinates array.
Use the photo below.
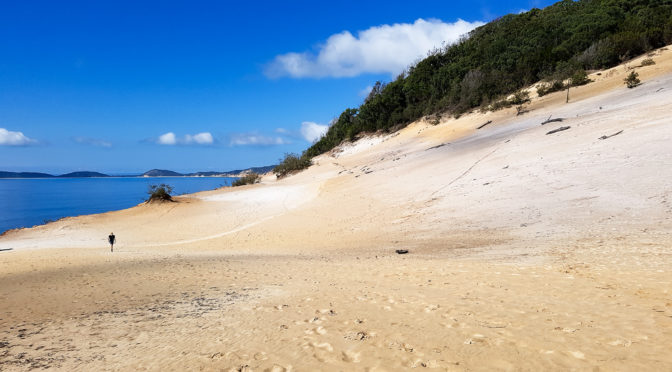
{"type": "Point", "coordinates": [64, 178]}
{"type": "Point", "coordinates": [103, 203]}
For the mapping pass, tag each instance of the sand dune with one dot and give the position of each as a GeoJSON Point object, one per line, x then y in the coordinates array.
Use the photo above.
{"type": "Point", "coordinates": [528, 250]}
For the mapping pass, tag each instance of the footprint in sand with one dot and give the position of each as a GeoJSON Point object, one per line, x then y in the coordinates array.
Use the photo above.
{"type": "Point", "coordinates": [624, 343]}
{"type": "Point", "coordinates": [350, 356]}
{"type": "Point", "coordinates": [577, 354]}
{"type": "Point", "coordinates": [260, 356]}
{"type": "Point", "coordinates": [319, 330]}
{"type": "Point", "coordinates": [475, 339]}
{"type": "Point", "coordinates": [322, 346]}
{"type": "Point", "coordinates": [279, 368]}
{"type": "Point", "coordinates": [322, 351]}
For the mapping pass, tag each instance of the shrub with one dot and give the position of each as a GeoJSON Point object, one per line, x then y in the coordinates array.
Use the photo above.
{"type": "Point", "coordinates": [248, 179]}
{"type": "Point", "coordinates": [520, 98]}
{"type": "Point", "coordinates": [648, 62]}
{"type": "Point", "coordinates": [547, 88]}
{"type": "Point", "coordinates": [580, 77]}
{"type": "Point", "coordinates": [520, 109]}
{"type": "Point", "coordinates": [160, 193]}
{"type": "Point", "coordinates": [292, 163]}
{"type": "Point", "coordinates": [600, 54]}
{"type": "Point", "coordinates": [632, 80]}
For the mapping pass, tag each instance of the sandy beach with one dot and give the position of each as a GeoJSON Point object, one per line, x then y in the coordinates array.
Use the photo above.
{"type": "Point", "coordinates": [527, 251]}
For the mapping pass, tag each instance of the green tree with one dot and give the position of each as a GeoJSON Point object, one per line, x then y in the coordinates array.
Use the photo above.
{"type": "Point", "coordinates": [161, 192]}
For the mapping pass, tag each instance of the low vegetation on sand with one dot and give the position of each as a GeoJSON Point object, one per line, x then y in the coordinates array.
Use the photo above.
{"type": "Point", "coordinates": [160, 193]}
{"type": "Point", "coordinates": [557, 82]}
{"type": "Point", "coordinates": [292, 163]}
{"type": "Point", "coordinates": [648, 62]}
{"type": "Point", "coordinates": [632, 80]}
{"type": "Point", "coordinates": [248, 179]}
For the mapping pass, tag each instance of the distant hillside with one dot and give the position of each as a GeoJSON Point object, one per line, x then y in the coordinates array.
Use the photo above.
{"type": "Point", "coordinates": [83, 175]}
{"type": "Point", "coordinates": [151, 173]}
{"type": "Point", "coordinates": [260, 170]}
{"type": "Point", "coordinates": [168, 173]}
{"type": "Point", "coordinates": [161, 173]}
{"type": "Point", "coordinates": [507, 54]}
{"type": "Point", "coordinates": [24, 175]}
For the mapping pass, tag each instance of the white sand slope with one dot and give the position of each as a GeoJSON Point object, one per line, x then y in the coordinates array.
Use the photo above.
{"type": "Point", "coordinates": [528, 251]}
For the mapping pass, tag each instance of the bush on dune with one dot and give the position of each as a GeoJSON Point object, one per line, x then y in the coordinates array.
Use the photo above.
{"type": "Point", "coordinates": [648, 62]}
{"type": "Point", "coordinates": [632, 80]}
{"type": "Point", "coordinates": [160, 193]}
{"type": "Point", "coordinates": [248, 179]}
{"type": "Point", "coordinates": [292, 163]}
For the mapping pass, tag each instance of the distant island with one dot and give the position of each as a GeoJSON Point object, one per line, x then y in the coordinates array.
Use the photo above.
{"type": "Point", "coordinates": [84, 174]}
{"type": "Point", "coordinates": [150, 173]}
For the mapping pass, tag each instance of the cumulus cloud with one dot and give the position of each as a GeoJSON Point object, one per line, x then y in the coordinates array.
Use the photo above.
{"type": "Point", "coordinates": [255, 139]}
{"type": "Point", "coordinates": [170, 139]}
{"type": "Point", "coordinates": [204, 138]}
{"type": "Point", "coordinates": [167, 139]}
{"type": "Point", "coordinates": [92, 141]}
{"type": "Point", "coordinates": [9, 138]}
{"type": "Point", "coordinates": [382, 49]}
{"type": "Point", "coordinates": [312, 132]}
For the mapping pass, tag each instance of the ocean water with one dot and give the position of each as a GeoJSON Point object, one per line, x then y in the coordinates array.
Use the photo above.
{"type": "Point", "coordinates": [30, 202]}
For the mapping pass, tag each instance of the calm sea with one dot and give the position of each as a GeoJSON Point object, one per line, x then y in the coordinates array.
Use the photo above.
{"type": "Point", "coordinates": [29, 202]}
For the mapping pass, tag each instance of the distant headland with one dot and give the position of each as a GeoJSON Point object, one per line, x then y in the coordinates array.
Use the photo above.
{"type": "Point", "coordinates": [149, 173]}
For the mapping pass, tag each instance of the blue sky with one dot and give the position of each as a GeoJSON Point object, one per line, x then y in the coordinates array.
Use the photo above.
{"type": "Point", "coordinates": [126, 86]}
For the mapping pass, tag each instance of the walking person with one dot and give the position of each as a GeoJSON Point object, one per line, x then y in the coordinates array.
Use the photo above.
{"type": "Point", "coordinates": [111, 239]}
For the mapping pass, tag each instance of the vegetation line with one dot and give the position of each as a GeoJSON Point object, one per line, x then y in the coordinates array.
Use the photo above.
{"type": "Point", "coordinates": [556, 45]}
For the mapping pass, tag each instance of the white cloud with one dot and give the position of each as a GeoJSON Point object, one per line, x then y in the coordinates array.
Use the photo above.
{"type": "Point", "coordinates": [204, 138]}
{"type": "Point", "coordinates": [167, 139]}
{"type": "Point", "coordinates": [92, 141]}
{"type": "Point", "coordinates": [312, 132]}
{"type": "Point", "coordinates": [382, 49]}
{"type": "Point", "coordinates": [170, 138]}
{"type": "Point", "coordinates": [9, 138]}
{"type": "Point", "coordinates": [255, 139]}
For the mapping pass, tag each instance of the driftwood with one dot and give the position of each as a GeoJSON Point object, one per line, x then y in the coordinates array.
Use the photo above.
{"type": "Point", "coordinates": [483, 125]}
{"type": "Point", "coordinates": [558, 130]}
{"type": "Point", "coordinates": [401, 251]}
{"type": "Point", "coordinates": [549, 120]}
{"type": "Point", "coordinates": [609, 136]}
{"type": "Point", "coordinates": [437, 146]}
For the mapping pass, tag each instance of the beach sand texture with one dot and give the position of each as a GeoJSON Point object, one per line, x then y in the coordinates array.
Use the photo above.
{"type": "Point", "coordinates": [527, 251]}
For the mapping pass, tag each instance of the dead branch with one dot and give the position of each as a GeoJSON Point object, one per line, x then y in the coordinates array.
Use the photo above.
{"type": "Point", "coordinates": [558, 130]}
